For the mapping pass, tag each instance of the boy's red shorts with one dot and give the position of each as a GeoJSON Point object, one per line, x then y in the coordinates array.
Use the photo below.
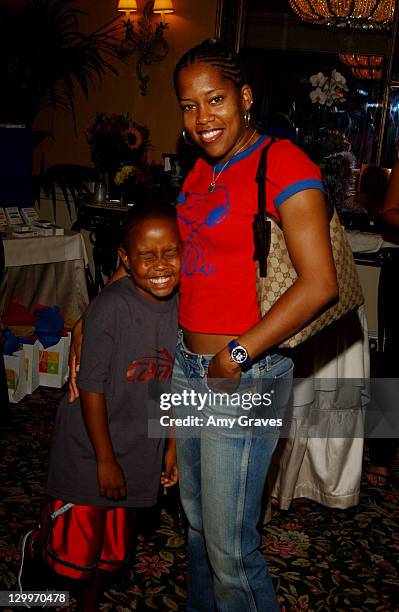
{"type": "Point", "coordinates": [76, 540]}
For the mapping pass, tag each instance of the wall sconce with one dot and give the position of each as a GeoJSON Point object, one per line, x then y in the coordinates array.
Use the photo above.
{"type": "Point", "coordinates": [146, 39]}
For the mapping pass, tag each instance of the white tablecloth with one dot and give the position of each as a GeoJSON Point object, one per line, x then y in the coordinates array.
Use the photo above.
{"type": "Point", "coordinates": [364, 242]}
{"type": "Point", "coordinates": [50, 249]}
{"type": "Point", "coordinates": [326, 469]}
{"type": "Point", "coordinates": [48, 270]}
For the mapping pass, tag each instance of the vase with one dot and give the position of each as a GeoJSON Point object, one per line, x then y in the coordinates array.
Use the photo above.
{"type": "Point", "coordinates": [128, 193]}
{"type": "Point", "coordinates": [101, 189]}
{"type": "Point", "coordinates": [114, 191]}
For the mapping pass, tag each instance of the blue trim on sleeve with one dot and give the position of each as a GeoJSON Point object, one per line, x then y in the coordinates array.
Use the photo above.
{"type": "Point", "coordinates": [296, 188]}
{"type": "Point", "coordinates": [181, 198]}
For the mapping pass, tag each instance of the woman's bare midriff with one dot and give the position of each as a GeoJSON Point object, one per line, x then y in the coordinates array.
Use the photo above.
{"type": "Point", "coordinates": [205, 344]}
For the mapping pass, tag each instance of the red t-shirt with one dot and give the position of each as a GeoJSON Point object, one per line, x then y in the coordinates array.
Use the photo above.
{"type": "Point", "coordinates": [218, 288]}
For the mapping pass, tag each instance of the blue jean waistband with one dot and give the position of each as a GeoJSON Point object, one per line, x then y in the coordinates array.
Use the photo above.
{"type": "Point", "coordinates": [264, 361]}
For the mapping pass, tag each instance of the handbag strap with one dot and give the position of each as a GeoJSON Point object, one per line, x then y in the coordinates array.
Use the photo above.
{"type": "Point", "coordinates": [261, 178]}
{"type": "Point", "coordinates": [261, 224]}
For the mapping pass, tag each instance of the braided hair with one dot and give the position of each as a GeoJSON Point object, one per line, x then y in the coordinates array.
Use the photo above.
{"type": "Point", "coordinates": [217, 54]}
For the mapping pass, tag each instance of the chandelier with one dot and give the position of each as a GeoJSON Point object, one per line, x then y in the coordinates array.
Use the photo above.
{"type": "Point", "coordinates": [365, 14]}
{"type": "Point", "coordinates": [364, 66]}
{"type": "Point", "coordinates": [367, 73]}
{"type": "Point", "coordinates": [361, 61]}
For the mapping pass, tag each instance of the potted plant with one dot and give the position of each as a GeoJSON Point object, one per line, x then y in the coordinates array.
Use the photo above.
{"type": "Point", "coordinates": [118, 148]}
{"type": "Point", "coordinates": [44, 60]}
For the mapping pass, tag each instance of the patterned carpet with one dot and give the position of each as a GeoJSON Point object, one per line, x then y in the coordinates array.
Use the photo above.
{"type": "Point", "coordinates": [320, 559]}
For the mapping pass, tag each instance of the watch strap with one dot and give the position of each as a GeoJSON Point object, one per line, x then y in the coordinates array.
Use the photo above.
{"type": "Point", "coordinates": [245, 365]}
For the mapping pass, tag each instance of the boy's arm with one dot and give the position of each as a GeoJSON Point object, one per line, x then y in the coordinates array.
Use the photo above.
{"type": "Point", "coordinates": [74, 359]}
{"type": "Point", "coordinates": [111, 478]}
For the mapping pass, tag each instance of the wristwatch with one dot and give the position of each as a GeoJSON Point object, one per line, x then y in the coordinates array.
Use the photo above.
{"type": "Point", "coordinates": [239, 355]}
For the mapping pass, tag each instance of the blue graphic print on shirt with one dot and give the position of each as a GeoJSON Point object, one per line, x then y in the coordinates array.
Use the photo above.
{"type": "Point", "coordinates": [197, 211]}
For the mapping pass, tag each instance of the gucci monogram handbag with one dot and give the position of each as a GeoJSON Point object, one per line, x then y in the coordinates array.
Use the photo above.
{"type": "Point", "coordinates": [275, 272]}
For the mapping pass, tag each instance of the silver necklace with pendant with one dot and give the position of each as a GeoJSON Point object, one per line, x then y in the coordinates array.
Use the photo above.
{"type": "Point", "coordinates": [212, 184]}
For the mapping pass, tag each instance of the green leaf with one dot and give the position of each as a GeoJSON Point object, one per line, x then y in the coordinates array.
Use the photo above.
{"type": "Point", "coordinates": [168, 601]}
{"type": "Point", "coordinates": [301, 562]}
{"type": "Point", "coordinates": [156, 590]}
{"type": "Point", "coordinates": [335, 580]}
{"type": "Point", "coordinates": [176, 542]}
{"type": "Point", "coordinates": [181, 592]}
{"type": "Point", "coordinates": [167, 556]}
{"type": "Point", "coordinates": [293, 590]}
{"type": "Point", "coordinates": [45, 58]}
{"type": "Point", "coordinates": [151, 603]}
{"type": "Point", "coordinates": [71, 179]}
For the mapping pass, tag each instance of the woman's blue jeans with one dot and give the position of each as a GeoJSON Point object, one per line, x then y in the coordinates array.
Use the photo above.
{"type": "Point", "coordinates": [222, 476]}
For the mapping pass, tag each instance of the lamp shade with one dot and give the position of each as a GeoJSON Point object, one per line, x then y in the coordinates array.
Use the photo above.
{"type": "Point", "coordinates": [163, 6]}
{"type": "Point", "coordinates": [127, 6]}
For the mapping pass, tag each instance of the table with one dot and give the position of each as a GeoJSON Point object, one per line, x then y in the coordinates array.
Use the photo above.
{"type": "Point", "coordinates": [328, 469]}
{"type": "Point", "coordinates": [366, 245]}
{"type": "Point", "coordinates": [47, 270]}
{"type": "Point", "coordinates": [373, 256]}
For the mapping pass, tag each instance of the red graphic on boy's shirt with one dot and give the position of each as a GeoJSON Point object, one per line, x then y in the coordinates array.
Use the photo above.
{"type": "Point", "coordinates": [157, 366]}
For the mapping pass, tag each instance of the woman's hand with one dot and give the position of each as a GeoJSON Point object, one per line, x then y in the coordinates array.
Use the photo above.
{"type": "Point", "coordinates": [74, 359]}
{"type": "Point", "coordinates": [225, 371]}
{"type": "Point", "coordinates": [111, 480]}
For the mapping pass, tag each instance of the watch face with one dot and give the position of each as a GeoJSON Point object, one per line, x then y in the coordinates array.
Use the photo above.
{"type": "Point", "coordinates": [239, 354]}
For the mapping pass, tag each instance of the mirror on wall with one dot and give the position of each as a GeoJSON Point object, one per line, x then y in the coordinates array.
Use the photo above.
{"type": "Point", "coordinates": [330, 110]}
{"type": "Point", "coordinates": [319, 96]}
{"type": "Point", "coordinates": [390, 149]}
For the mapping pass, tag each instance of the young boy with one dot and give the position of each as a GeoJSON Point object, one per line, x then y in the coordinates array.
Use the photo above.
{"type": "Point", "coordinates": [103, 466]}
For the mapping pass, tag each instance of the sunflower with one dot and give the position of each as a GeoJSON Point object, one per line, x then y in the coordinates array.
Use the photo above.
{"type": "Point", "coordinates": [133, 138]}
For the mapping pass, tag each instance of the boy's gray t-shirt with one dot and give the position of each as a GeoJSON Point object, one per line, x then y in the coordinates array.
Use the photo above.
{"type": "Point", "coordinates": [127, 355]}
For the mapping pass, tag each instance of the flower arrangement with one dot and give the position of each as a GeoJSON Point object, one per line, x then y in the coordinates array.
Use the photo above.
{"type": "Point", "coordinates": [129, 173]}
{"type": "Point", "coordinates": [115, 140]}
{"type": "Point", "coordinates": [328, 91]}
{"type": "Point", "coordinates": [325, 140]}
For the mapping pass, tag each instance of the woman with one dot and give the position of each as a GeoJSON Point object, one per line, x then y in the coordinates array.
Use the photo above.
{"type": "Point", "coordinates": [223, 336]}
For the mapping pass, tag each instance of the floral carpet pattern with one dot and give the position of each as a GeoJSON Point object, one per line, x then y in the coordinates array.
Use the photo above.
{"type": "Point", "coordinates": [320, 559]}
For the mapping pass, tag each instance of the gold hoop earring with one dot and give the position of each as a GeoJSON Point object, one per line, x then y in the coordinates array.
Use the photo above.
{"type": "Point", "coordinates": [187, 139]}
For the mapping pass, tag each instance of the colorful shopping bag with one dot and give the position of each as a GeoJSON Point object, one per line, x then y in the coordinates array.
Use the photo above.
{"type": "Point", "coordinates": [30, 353]}
{"type": "Point", "coordinates": [53, 363]}
{"type": "Point", "coordinates": [16, 377]}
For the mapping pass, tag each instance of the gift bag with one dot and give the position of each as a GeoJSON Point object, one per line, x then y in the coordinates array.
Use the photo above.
{"type": "Point", "coordinates": [30, 352]}
{"type": "Point", "coordinates": [16, 377]}
{"type": "Point", "coordinates": [53, 363]}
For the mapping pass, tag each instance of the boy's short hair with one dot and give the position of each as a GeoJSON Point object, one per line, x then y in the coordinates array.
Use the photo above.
{"type": "Point", "coordinates": [143, 211]}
